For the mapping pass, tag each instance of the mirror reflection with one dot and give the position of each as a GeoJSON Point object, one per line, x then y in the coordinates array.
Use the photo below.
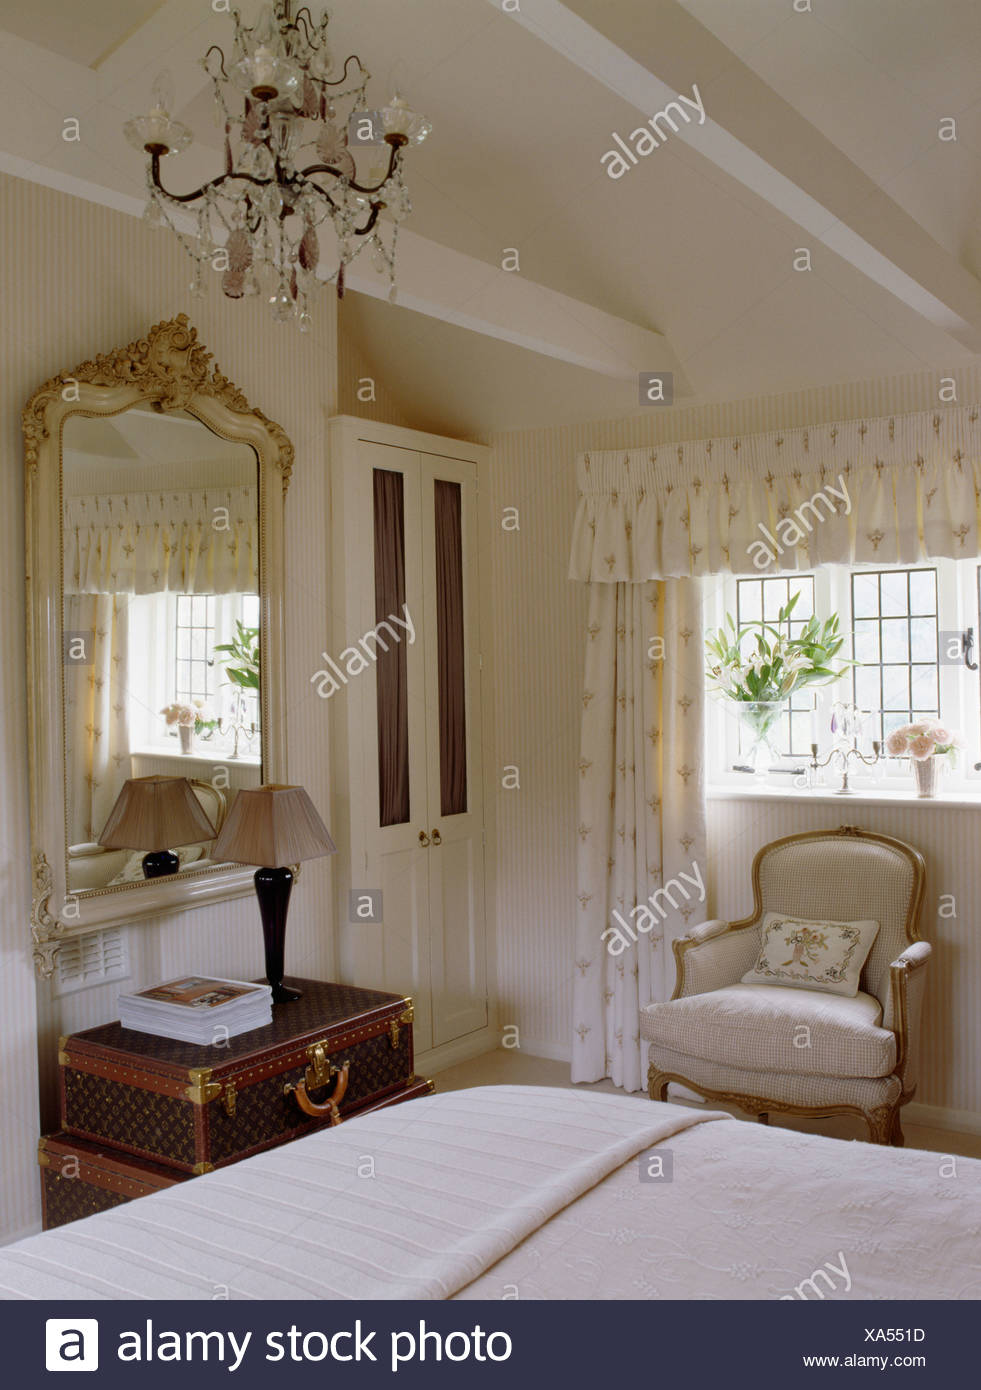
{"type": "Point", "coordinates": [160, 544]}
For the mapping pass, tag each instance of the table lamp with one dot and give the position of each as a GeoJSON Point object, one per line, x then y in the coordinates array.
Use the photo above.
{"type": "Point", "coordinates": [153, 813]}
{"type": "Point", "coordinates": [275, 826]}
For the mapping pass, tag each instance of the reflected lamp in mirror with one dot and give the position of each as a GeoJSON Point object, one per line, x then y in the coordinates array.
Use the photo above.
{"type": "Point", "coordinates": [274, 826]}
{"type": "Point", "coordinates": [152, 814]}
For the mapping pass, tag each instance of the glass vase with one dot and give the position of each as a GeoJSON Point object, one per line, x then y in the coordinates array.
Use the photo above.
{"type": "Point", "coordinates": [760, 717]}
{"type": "Point", "coordinates": [927, 774]}
{"type": "Point", "coordinates": [186, 733]}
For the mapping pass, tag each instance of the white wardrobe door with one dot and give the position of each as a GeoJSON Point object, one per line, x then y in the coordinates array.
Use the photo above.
{"type": "Point", "coordinates": [395, 733]}
{"type": "Point", "coordinates": [457, 940]}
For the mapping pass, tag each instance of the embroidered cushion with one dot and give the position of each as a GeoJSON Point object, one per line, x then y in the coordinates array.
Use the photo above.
{"type": "Point", "coordinates": [799, 954]}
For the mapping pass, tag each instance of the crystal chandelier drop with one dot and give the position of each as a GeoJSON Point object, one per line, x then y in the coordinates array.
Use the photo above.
{"type": "Point", "coordinates": [296, 128]}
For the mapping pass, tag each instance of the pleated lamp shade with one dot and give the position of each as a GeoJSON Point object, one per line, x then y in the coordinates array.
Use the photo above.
{"type": "Point", "coordinates": [155, 813]}
{"type": "Point", "coordinates": [272, 827]}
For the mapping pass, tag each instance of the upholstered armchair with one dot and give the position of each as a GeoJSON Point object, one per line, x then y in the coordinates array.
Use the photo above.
{"type": "Point", "coordinates": [771, 1049]}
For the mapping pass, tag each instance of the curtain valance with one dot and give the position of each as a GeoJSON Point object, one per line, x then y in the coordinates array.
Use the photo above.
{"type": "Point", "coordinates": [883, 491]}
{"type": "Point", "coordinates": [204, 541]}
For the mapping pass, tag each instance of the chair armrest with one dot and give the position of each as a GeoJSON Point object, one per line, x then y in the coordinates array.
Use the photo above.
{"type": "Point", "coordinates": [707, 930]}
{"type": "Point", "coordinates": [907, 981]}
{"type": "Point", "coordinates": [714, 955]}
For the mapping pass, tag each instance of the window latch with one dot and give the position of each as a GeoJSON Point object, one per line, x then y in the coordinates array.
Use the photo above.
{"type": "Point", "coordinates": [967, 648]}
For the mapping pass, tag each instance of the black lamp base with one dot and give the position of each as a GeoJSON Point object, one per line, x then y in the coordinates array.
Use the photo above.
{"type": "Point", "coordinates": [273, 888]}
{"type": "Point", "coordinates": [160, 862]}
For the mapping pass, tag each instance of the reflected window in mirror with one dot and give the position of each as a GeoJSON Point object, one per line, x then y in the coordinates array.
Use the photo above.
{"type": "Point", "coordinates": [193, 666]}
{"type": "Point", "coordinates": [161, 620]}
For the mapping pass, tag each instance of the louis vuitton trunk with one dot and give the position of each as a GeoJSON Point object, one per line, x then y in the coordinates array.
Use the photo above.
{"type": "Point", "coordinates": [79, 1179]}
{"type": "Point", "coordinates": [335, 1052]}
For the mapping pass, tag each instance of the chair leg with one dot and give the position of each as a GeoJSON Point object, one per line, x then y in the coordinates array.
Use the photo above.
{"type": "Point", "coordinates": [882, 1122]}
{"type": "Point", "coordinates": [898, 1138]}
{"type": "Point", "coordinates": [763, 1118]}
{"type": "Point", "coordinates": [657, 1083]}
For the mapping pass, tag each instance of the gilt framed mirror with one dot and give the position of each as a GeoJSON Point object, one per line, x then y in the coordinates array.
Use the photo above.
{"type": "Point", "coordinates": [154, 499]}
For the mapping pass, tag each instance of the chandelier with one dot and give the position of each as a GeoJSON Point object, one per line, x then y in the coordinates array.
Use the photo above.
{"type": "Point", "coordinates": [296, 128]}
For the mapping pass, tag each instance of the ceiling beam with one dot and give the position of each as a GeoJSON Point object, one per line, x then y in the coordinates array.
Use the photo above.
{"type": "Point", "coordinates": [648, 54]}
{"type": "Point", "coordinates": [498, 303]}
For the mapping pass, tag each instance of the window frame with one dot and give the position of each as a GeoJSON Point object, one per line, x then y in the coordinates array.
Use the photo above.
{"type": "Point", "coordinates": [958, 607]}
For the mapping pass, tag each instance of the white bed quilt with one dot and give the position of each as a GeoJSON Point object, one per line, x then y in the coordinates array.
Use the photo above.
{"type": "Point", "coordinates": [412, 1202]}
{"type": "Point", "coordinates": [755, 1212]}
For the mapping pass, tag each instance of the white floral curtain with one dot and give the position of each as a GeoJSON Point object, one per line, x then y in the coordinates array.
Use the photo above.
{"type": "Point", "coordinates": [641, 815]}
{"type": "Point", "coordinates": [883, 491]}
{"type": "Point", "coordinates": [196, 542]}
{"type": "Point", "coordinates": [96, 676]}
{"type": "Point", "coordinates": [649, 523]}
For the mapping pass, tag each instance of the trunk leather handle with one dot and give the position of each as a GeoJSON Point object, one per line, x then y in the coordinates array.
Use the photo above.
{"type": "Point", "coordinates": [321, 1110]}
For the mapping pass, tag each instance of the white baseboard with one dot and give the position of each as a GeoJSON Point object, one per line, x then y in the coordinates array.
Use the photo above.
{"type": "Point", "coordinates": [437, 1059]}
{"type": "Point", "coordinates": [939, 1117]}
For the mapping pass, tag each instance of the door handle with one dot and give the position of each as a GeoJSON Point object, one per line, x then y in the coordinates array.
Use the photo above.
{"type": "Point", "coordinates": [437, 837]}
{"type": "Point", "coordinates": [424, 839]}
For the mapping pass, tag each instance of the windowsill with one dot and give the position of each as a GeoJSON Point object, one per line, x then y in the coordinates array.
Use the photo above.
{"type": "Point", "coordinates": [827, 796]}
{"type": "Point", "coordinates": [200, 753]}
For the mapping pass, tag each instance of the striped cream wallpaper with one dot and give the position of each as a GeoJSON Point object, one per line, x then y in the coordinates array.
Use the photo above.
{"type": "Point", "coordinates": [79, 279]}
{"type": "Point", "coordinates": [355, 374]}
{"type": "Point", "coordinates": [538, 636]}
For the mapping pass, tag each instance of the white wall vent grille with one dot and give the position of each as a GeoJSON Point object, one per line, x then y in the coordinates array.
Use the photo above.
{"type": "Point", "coordinates": [93, 959]}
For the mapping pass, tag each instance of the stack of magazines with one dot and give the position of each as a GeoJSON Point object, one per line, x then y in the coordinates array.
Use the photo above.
{"type": "Point", "coordinates": [197, 1009]}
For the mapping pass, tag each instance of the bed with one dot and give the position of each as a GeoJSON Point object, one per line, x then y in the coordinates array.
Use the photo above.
{"type": "Point", "coordinates": [537, 1193]}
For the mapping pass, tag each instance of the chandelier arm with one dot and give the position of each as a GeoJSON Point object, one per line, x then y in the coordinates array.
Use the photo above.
{"type": "Point", "coordinates": [351, 58]}
{"type": "Point", "coordinates": [369, 226]}
{"type": "Point", "coordinates": [215, 48]}
{"type": "Point", "coordinates": [199, 192]}
{"type": "Point", "coordinates": [323, 193]}
{"type": "Point", "coordinates": [373, 216]}
{"type": "Point", "coordinates": [358, 187]}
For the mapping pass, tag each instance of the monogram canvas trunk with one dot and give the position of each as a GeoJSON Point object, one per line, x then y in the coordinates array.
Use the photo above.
{"type": "Point", "coordinates": [79, 1179]}
{"type": "Point", "coordinates": [335, 1052]}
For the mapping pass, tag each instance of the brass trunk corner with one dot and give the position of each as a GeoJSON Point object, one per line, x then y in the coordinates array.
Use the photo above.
{"type": "Point", "coordinates": [202, 1089]}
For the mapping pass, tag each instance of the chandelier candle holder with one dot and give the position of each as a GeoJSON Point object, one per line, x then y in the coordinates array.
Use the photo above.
{"type": "Point", "coordinates": [292, 138]}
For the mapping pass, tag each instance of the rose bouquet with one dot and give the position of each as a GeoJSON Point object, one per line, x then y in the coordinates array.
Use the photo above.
{"type": "Point", "coordinates": [194, 716]}
{"type": "Point", "coordinates": [926, 738]}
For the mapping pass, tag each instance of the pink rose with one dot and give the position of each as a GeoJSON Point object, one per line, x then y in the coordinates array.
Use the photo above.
{"type": "Point", "coordinates": [922, 747]}
{"type": "Point", "coordinates": [896, 743]}
{"type": "Point", "coordinates": [941, 734]}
